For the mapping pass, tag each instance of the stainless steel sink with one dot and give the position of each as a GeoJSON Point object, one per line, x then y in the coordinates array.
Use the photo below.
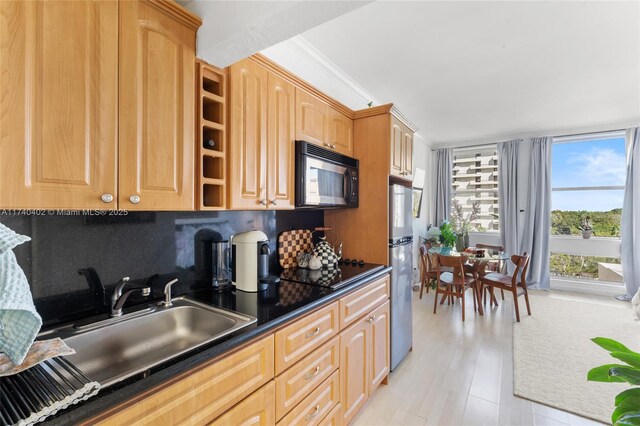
{"type": "Point", "coordinates": [112, 350]}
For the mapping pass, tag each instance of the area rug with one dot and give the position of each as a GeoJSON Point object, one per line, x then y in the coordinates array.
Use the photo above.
{"type": "Point", "coordinates": [552, 353]}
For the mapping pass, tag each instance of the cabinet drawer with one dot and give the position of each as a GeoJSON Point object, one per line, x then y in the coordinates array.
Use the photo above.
{"type": "Point", "coordinates": [334, 418]}
{"type": "Point", "coordinates": [257, 409]}
{"type": "Point", "coordinates": [205, 394]}
{"type": "Point", "coordinates": [361, 302]}
{"type": "Point", "coordinates": [300, 338]}
{"type": "Point", "coordinates": [296, 383]}
{"type": "Point", "coordinates": [314, 408]}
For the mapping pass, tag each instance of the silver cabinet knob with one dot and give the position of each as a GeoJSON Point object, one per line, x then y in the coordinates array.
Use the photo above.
{"type": "Point", "coordinates": [328, 145]}
{"type": "Point", "coordinates": [135, 199]}
{"type": "Point", "coordinates": [333, 146]}
{"type": "Point", "coordinates": [274, 201]}
{"type": "Point", "coordinates": [263, 202]}
{"type": "Point", "coordinates": [106, 198]}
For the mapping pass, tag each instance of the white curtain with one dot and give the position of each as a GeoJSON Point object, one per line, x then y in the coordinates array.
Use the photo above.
{"type": "Point", "coordinates": [526, 229]}
{"type": "Point", "coordinates": [508, 195]}
{"type": "Point", "coordinates": [443, 184]}
{"type": "Point", "coordinates": [537, 215]}
{"type": "Point", "coordinates": [630, 229]}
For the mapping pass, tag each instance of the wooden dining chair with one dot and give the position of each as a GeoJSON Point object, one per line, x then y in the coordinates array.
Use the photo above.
{"type": "Point", "coordinates": [454, 283]}
{"type": "Point", "coordinates": [516, 283]}
{"type": "Point", "coordinates": [497, 267]}
{"type": "Point", "coordinates": [428, 269]}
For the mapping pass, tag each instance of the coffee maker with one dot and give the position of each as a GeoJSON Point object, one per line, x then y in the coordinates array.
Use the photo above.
{"type": "Point", "coordinates": [250, 260]}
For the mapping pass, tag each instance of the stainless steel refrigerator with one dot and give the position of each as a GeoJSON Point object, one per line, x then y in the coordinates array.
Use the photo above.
{"type": "Point", "coordinates": [401, 259]}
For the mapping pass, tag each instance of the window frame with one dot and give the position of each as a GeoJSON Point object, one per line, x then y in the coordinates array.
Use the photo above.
{"type": "Point", "coordinates": [587, 137]}
{"type": "Point", "coordinates": [475, 149]}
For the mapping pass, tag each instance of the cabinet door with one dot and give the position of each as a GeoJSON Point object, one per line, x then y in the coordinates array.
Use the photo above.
{"type": "Point", "coordinates": [59, 79]}
{"type": "Point", "coordinates": [248, 136]}
{"type": "Point", "coordinates": [254, 410]}
{"type": "Point", "coordinates": [340, 132]}
{"type": "Point", "coordinates": [396, 148]}
{"type": "Point", "coordinates": [354, 368]}
{"type": "Point", "coordinates": [311, 119]}
{"type": "Point", "coordinates": [380, 327]}
{"type": "Point", "coordinates": [407, 147]}
{"type": "Point", "coordinates": [156, 114]}
{"type": "Point", "coordinates": [281, 143]}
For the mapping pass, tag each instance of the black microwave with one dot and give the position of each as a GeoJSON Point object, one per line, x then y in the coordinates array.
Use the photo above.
{"type": "Point", "coordinates": [324, 178]}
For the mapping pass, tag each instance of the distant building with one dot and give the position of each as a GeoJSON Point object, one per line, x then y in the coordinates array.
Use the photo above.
{"type": "Point", "coordinates": [475, 178]}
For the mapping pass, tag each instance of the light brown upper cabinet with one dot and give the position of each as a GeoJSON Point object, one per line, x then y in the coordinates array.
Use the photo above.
{"type": "Point", "coordinates": [86, 124]}
{"type": "Point", "coordinates": [261, 144]}
{"type": "Point", "coordinates": [312, 118]}
{"type": "Point", "coordinates": [280, 143]}
{"type": "Point", "coordinates": [407, 146]}
{"type": "Point", "coordinates": [320, 124]}
{"type": "Point", "coordinates": [59, 80]}
{"type": "Point", "coordinates": [397, 163]}
{"type": "Point", "coordinates": [401, 150]}
{"type": "Point", "coordinates": [157, 69]}
{"type": "Point", "coordinates": [340, 132]}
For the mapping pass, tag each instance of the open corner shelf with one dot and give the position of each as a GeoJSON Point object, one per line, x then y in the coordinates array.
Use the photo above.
{"type": "Point", "coordinates": [211, 136]}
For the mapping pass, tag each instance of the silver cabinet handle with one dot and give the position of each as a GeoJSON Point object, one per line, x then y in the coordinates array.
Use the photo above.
{"type": "Point", "coordinates": [106, 198]}
{"type": "Point", "coordinates": [263, 202]}
{"type": "Point", "coordinates": [328, 145]}
{"type": "Point", "coordinates": [371, 318]}
{"type": "Point", "coordinates": [312, 333]}
{"type": "Point", "coordinates": [135, 199]}
{"type": "Point", "coordinates": [274, 201]}
{"type": "Point", "coordinates": [313, 373]}
{"type": "Point", "coordinates": [312, 415]}
{"type": "Point", "coordinates": [333, 146]}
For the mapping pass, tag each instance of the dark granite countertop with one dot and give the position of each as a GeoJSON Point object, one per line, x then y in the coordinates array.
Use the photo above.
{"type": "Point", "coordinates": [274, 307]}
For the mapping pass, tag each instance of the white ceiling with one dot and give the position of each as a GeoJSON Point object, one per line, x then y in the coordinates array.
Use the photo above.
{"type": "Point", "coordinates": [233, 30]}
{"type": "Point", "coordinates": [471, 71]}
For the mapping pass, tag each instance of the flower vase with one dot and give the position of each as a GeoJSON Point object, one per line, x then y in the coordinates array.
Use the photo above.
{"type": "Point", "coordinates": [445, 250]}
{"type": "Point", "coordinates": [460, 243]}
{"type": "Point", "coordinates": [466, 240]}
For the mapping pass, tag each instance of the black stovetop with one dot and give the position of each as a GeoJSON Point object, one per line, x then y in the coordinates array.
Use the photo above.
{"type": "Point", "coordinates": [333, 277]}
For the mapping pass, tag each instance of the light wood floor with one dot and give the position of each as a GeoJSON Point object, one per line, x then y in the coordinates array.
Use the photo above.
{"type": "Point", "coordinates": [460, 374]}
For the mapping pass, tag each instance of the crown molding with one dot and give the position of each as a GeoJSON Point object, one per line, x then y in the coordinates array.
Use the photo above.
{"type": "Point", "coordinates": [395, 111]}
{"type": "Point", "coordinates": [308, 51]}
{"type": "Point", "coordinates": [371, 111]}
{"type": "Point", "coordinates": [178, 11]}
{"type": "Point", "coordinates": [297, 81]}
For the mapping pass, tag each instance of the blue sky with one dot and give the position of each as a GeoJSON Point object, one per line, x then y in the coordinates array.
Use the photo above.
{"type": "Point", "coordinates": [588, 163]}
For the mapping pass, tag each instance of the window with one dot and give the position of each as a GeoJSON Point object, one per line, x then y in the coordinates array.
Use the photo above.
{"type": "Point", "coordinates": [587, 179]}
{"type": "Point", "coordinates": [475, 188]}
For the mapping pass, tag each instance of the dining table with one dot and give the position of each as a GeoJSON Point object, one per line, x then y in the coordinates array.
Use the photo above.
{"type": "Point", "coordinates": [475, 264]}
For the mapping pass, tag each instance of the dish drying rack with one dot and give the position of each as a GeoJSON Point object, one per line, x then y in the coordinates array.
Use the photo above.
{"type": "Point", "coordinates": [41, 391]}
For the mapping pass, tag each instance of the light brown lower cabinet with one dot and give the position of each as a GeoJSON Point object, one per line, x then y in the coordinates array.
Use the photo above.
{"type": "Point", "coordinates": [203, 395]}
{"type": "Point", "coordinates": [308, 372]}
{"type": "Point", "coordinates": [364, 359]}
{"type": "Point", "coordinates": [257, 409]}
{"type": "Point", "coordinates": [293, 385]}
{"type": "Point", "coordinates": [334, 418]}
{"type": "Point", "coordinates": [315, 407]}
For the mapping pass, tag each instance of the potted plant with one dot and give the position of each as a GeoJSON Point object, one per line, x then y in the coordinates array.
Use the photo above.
{"type": "Point", "coordinates": [447, 237]}
{"type": "Point", "coordinates": [586, 228]}
{"type": "Point", "coordinates": [627, 403]}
